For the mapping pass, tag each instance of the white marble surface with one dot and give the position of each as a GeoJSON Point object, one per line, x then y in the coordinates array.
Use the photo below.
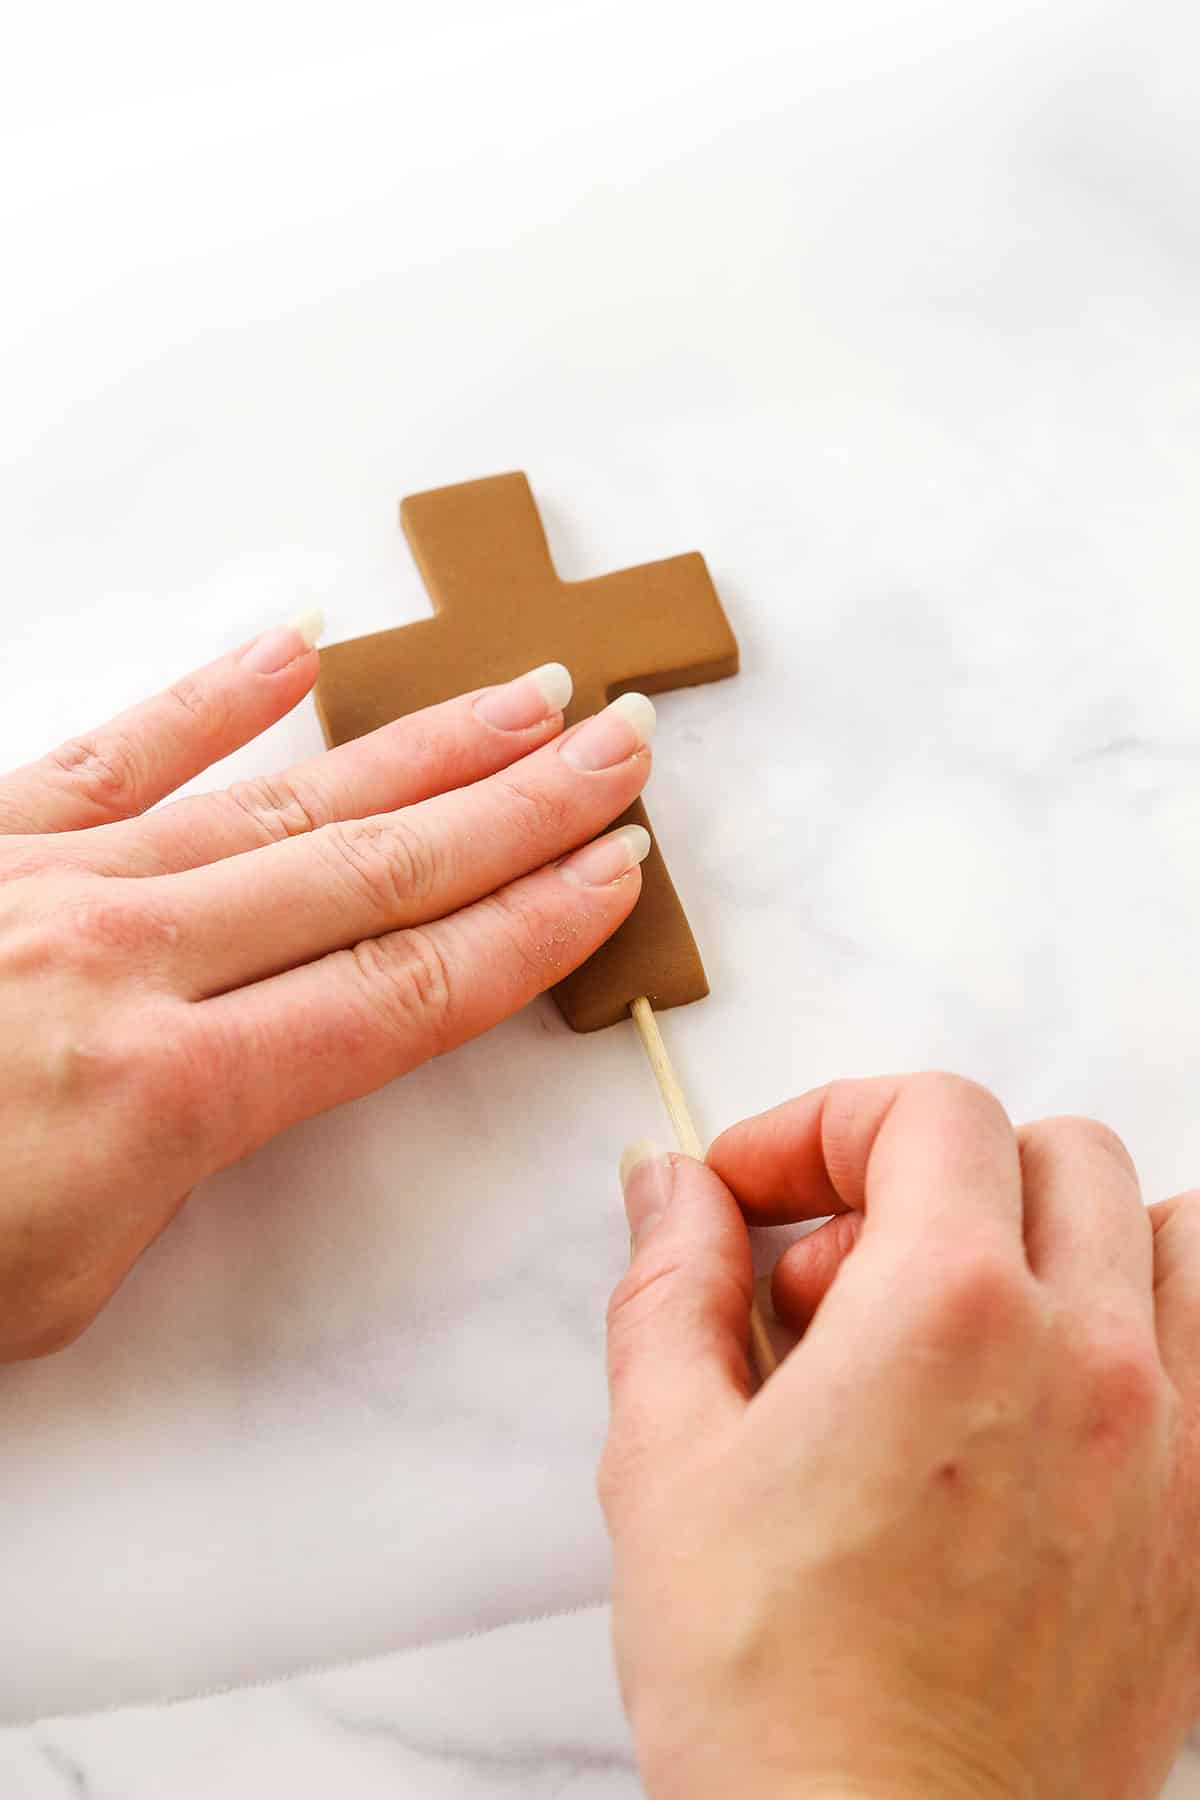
{"type": "Point", "coordinates": [890, 309]}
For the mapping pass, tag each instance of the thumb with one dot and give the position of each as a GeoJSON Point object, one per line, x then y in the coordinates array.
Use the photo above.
{"type": "Point", "coordinates": [678, 1321]}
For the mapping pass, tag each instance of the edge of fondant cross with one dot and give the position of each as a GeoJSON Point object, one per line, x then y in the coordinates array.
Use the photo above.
{"type": "Point", "coordinates": [500, 607]}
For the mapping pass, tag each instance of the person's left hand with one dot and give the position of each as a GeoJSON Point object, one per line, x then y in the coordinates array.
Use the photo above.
{"type": "Point", "coordinates": [178, 985]}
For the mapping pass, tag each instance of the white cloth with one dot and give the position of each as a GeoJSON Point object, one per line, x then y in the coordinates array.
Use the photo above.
{"type": "Point", "coordinates": [890, 310]}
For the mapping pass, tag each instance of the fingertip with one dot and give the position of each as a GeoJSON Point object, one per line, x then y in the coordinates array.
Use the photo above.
{"type": "Point", "coordinates": [299, 677]}
{"type": "Point", "coordinates": [283, 650]}
{"type": "Point", "coordinates": [528, 703]}
{"type": "Point", "coordinates": [678, 1320]}
{"type": "Point", "coordinates": [309, 626]}
{"type": "Point", "coordinates": [627, 891]}
{"type": "Point", "coordinates": [611, 903]}
{"type": "Point", "coordinates": [557, 685]}
{"type": "Point", "coordinates": [701, 1211]}
{"type": "Point", "coordinates": [607, 860]}
{"type": "Point", "coordinates": [723, 1150]}
{"type": "Point", "coordinates": [763, 1134]}
{"type": "Point", "coordinates": [607, 906]}
{"type": "Point", "coordinates": [774, 1163]}
{"type": "Point", "coordinates": [647, 1180]}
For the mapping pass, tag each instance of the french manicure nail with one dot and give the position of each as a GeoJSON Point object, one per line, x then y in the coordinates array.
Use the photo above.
{"type": "Point", "coordinates": [275, 649]}
{"type": "Point", "coordinates": [600, 863]}
{"type": "Point", "coordinates": [310, 624]}
{"type": "Point", "coordinates": [611, 737]}
{"type": "Point", "coordinates": [646, 1182]}
{"type": "Point", "coordinates": [527, 700]}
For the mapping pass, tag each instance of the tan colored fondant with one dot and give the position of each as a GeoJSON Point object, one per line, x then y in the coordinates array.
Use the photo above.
{"type": "Point", "coordinates": [500, 608]}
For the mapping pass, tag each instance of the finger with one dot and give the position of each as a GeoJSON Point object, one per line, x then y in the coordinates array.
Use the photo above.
{"type": "Point", "coordinates": [1087, 1234]}
{"type": "Point", "coordinates": [1175, 1226]}
{"type": "Point", "coordinates": [808, 1268]}
{"type": "Point", "coordinates": [918, 1154]}
{"type": "Point", "coordinates": [253, 916]}
{"type": "Point", "coordinates": [424, 753]}
{"type": "Point", "coordinates": [127, 765]}
{"type": "Point", "coordinates": [936, 1289]}
{"type": "Point", "coordinates": [678, 1321]}
{"type": "Point", "coordinates": [338, 1028]}
{"type": "Point", "coordinates": [775, 1162]}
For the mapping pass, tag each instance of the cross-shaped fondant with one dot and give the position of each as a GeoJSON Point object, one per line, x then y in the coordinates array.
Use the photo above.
{"type": "Point", "coordinates": [501, 608]}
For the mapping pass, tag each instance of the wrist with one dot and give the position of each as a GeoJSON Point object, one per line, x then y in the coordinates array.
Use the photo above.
{"type": "Point", "coordinates": [751, 1784]}
{"type": "Point", "coordinates": [682, 1777]}
{"type": "Point", "coordinates": [764, 1745]}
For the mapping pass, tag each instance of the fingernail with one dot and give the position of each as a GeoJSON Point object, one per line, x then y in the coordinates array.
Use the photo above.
{"type": "Point", "coordinates": [310, 625]}
{"type": "Point", "coordinates": [527, 700]}
{"type": "Point", "coordinates": [275, 649]}
{"type": "Point", "coordinates": [646, 1182]}
{"type": "Point", "coordinates": [612, 736]}
{"type": "Point", "coordinates": [600, 863]}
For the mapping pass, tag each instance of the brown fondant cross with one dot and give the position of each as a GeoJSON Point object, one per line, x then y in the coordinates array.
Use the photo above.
{"type": "Point", "coordinates": [500, 608]}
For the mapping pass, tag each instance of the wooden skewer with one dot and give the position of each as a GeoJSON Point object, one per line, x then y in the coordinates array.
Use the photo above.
{"type": "Point", "coordinates": [686, 1136]}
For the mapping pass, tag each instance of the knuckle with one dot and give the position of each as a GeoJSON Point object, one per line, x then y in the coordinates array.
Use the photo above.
{"type": "Point", "coordinates": [390, 863]}
{"type": "Point", "coordinates": [128, 1061]}
{"type": "Point", "coordinates": [538, 814]}
{"type": "Point", "coordinates": [640, 1293]}
{"type": "Point", "coordinates": [15, 819]}
{"type": "Point", "coordinates": [35, 944]}
{"type": "Point", "coordinates": [103, 928]}
{"type": "Point", "coordinates": [106, 768]}
{"type": "Point", "coordinates": [1095, 1136]}
{"type": "Point", "coordinates": [275, 806]}
{"type": "Point", "coordinates": [97, 921]}
{"type": "Point", "coordinates": [1122, 1381]}
{"type": "Point", "coordinates": [148, 1075]}
{"type": "Point", "coordinates": [532, 947]}
{"type": "Point", "coordinates": [205, 706]}
{"type": "Point", "coordinates": [96, 1065]}
{"type": "Point", "coordinates": [983, 1292]}
{"type": "Point", "coordinates": [1177, 1218]}
{"type": "Point", "coordinates": [24, 856]}
{"type": "Point", "coordinates": [408, 984]}
{"type": "Point", "coordinates": [959, 1094]}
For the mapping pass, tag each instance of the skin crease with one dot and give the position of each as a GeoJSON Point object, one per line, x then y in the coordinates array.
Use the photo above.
{"type": "Point", "coordinates": [949, 1549]}
{"type": "Point", "coordinates": [176, 986]}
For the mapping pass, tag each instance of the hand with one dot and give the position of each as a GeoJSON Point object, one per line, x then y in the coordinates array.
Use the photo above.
{"type": "Point", "coordinates": [177, 986]}
{"type": "Point", "coordinates": [950, 1548]}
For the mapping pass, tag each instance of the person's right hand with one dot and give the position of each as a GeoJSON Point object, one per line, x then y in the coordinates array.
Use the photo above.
{"type": "Point", "coordinates": [178, 985]}
{"type": "Point", "coordinates": [949, 1551]}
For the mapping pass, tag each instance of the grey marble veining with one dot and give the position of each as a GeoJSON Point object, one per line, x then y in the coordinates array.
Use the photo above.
{"type": "Point", "coordinates": [889, 310]}
{"type": "Point", "coordinates": [529, 1709]}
